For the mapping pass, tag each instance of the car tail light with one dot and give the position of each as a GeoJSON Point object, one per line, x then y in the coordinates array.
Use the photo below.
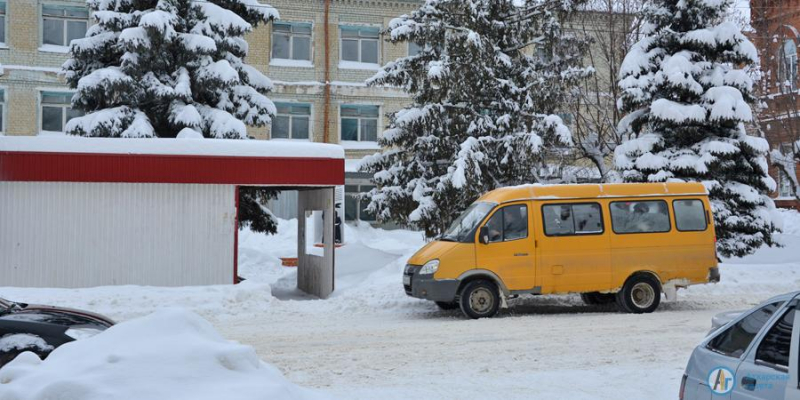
{"type": "Point", "coordinates": [683, 387]}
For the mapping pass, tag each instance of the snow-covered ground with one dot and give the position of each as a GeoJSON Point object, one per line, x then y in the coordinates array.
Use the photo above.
{"type": "Point", "coordinates": [369, 340]}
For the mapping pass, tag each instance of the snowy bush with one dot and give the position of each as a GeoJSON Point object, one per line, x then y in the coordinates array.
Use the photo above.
{"type": "Point", "coordinates": [485, 88]}
{"type": "Point", "coordinates": [687, 95]}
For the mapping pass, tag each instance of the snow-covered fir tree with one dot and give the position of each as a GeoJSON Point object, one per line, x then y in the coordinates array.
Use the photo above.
{"type": "Point", "coordinates": [485, 88]}
{"type": "Point", "coordinates": [688, 95]}
{"type": "Point", "coordinates": [167, 68]}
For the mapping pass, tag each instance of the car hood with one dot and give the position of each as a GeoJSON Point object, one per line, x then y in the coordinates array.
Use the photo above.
{"type": "Point", "coordinates": [58, 316]}
{"type": "Point", "coordinates": [434, 250]}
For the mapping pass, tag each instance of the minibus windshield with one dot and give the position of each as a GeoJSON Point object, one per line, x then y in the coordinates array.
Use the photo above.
{"type": "Point", "coordinates": [462, 228]}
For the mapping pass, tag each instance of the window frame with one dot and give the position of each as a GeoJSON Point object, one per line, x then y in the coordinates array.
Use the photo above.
{"type": "Point", "coordinates": [359, 39]}
{"type": "Point", "coordinates": [611, 214]}
{"type": "Point", "coordinates": [787, 70]}
{"type": "Point", "coordinates": [63, 106]}
{"type": "Point", "coordinates": [4, 110]}
{"type": "Point", "coordinates": [4, 15]}
{"type": "Point", "coordinates": [705, 216]}
{"type": "Point", "coordinates": [708, 346]}
{"type": "Point", "coordinates": [359, 118]}
{"type": "Point", "coordinates": [765, 332]}
{"type": "Point", "coordinates": [602, 219]}
{"type": "Point", "coordinates": [291, 120]}
{"type": "Point", "coordinates": [292, 36]}
{"type": "Point", "coordinates": [408, 49]}
{"type": "Point", "coordinates": [64, 20]}
{"type": "Point", "coordinates": [357, 197]}
{"type": "Point", "coordinates": [501, 209]}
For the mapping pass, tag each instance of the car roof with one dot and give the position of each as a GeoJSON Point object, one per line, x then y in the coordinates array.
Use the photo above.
{"type": "Point", "coordinates": [591, 191]}
{"type": "Point", "coordinates": [783, 297]}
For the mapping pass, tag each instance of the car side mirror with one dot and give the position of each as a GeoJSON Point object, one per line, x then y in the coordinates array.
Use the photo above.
{"type": "Point", "coordinates": [483, 235]}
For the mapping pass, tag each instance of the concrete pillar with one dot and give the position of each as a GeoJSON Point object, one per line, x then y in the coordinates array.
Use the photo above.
{"type": "Point", "coordinates": [315, 273]}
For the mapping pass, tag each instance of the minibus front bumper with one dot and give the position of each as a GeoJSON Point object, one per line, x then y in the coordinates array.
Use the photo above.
{"type": "Point", "coordinates": [426, 287]}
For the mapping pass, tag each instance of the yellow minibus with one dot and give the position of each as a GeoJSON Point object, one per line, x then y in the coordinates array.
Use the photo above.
{"type": "Point", "coordinates": [623, 243]}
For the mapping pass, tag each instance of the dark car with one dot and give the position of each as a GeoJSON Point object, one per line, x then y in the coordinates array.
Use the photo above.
{"type": "Point", "coordinates": [40, 329]}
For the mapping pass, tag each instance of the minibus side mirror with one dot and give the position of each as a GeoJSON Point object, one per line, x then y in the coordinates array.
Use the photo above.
{"type": "Point", "coordinates": [483, 235]}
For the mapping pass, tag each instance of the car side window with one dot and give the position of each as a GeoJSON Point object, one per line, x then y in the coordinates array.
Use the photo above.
{"type": "Point", "coordinates": [734, 341]}
{"type": "Point", "coordinates": [572, 219]}
{"type": "Point", "coordinates": [690, 215]}
{"type": "Point", "coordinates": [508, 223]}
{"type": "Point", "coordinates": [774, 348]}
{"type": "Point", "coordinates": [650, 216]}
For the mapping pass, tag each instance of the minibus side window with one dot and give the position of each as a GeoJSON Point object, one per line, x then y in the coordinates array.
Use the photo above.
{"type": "Point", "coordinates": [690, 215]}
{"type": "Point", "coordinates": [508, 223]}
{"type": "Point", "coordinates": [572, 219]}
{"type": "Point", "coordinates": [651, 216]}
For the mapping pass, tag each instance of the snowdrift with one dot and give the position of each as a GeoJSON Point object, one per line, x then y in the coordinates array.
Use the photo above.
{"type": "Point", "coordinates": [170, 354]}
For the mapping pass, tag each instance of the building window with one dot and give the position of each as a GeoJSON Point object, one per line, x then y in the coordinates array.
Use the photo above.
{"type": "Point", "coordinates": [414, 49]}
{"type": "Point", "coordinates": [291, 41]}
{"type": "Point", "coordinates": [2, 22]}
{"type": "Point", "coordinates": [360, 44]}
{"type": "Point", "coordinates": [355, 205]}
{"type": "Point", "coordinates": [2, 110]}
{"type": "Point", "coordinates": [61, 25]}
{"type": "Point", "coordinates": [293, 121]}
{"type": "Point", "coordinates": [56, 110]}
{"type": "Point", "coordinates": [784, 185]}
{"type": "Point", "coordinates": [360, 123]}
{"type": "Point", "coordinates": [788, 65]}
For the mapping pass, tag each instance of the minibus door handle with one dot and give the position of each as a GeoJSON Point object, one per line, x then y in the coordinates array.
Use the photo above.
{"type": "Point", "coordinates": [520, 254]}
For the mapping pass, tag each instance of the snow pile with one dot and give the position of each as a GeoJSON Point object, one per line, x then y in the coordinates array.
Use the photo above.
{"type": "Point", "coordinates": [171, 354]}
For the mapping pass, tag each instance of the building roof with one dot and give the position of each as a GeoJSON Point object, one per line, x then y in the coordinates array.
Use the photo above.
{"type": "Point", "coordinates": [590, 191]}
{"type": "Point", "coordinates": [199, 161]}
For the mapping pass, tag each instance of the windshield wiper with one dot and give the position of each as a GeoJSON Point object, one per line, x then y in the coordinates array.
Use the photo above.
{"type": "Point", "coordinates": [446, 239]}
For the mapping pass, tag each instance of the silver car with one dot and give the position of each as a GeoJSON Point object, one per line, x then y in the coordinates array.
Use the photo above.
{"type": "Point", "coordinates": [754, 355]}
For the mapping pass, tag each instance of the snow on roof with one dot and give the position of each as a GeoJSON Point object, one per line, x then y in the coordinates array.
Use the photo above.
{"type": "Point", "coordinates": [197, 147]}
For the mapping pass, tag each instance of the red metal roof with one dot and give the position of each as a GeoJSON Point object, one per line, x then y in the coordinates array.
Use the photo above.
{"type": "Point", "coordinates": [96, 166]}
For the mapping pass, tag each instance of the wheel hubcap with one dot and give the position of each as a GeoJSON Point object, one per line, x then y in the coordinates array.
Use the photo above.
{"type": "Point", "coordinates": [481, 300]}
{"type": "Point", "coordinates": [643, 295]}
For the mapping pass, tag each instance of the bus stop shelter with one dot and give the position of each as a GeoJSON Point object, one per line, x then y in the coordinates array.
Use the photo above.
{"type": "Point", "coordinates": [82, 212]}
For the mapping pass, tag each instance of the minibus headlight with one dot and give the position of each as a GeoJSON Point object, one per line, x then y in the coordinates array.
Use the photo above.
{"type": "Point", "coordinates": [430, 267]}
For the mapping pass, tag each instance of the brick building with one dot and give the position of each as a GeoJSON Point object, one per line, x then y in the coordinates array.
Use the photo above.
{"type": "Point", "coordinates": [777, 38]}
{"type": "Point", "coordinates": [293, 52]}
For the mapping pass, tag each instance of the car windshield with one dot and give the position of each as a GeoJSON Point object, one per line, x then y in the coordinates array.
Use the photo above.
{"type": "Point", "coordinates": [465, 224]}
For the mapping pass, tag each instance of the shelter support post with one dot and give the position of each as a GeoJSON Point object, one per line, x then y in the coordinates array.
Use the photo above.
{"type": "Point", "coordinates": [315, 272]}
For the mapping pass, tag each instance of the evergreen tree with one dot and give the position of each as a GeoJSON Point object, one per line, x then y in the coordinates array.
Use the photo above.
{"type": "Point", "coordinates": [157, 68]}
{"type": "Point", "coordinates": [483, 104]}
{"type": "Point", "coordinates": [688, 94]}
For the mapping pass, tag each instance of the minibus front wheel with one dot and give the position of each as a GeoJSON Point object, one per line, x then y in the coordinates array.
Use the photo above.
{"type": "Point", "coordinates": [641, 294]}
{"type": "Point", "coordinates": [480, 299]}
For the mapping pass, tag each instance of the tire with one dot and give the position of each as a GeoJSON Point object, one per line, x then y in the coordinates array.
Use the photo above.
{"type": "Point", "coordinates": [640, 295]}
{"type": "Point", "coordinates": [447, 305]}
{"type": "Point", "coordinates": [480, 299]}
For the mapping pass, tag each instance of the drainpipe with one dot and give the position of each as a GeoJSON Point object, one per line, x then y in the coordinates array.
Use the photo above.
{"type": "Point", "coordinates": [327, 77]}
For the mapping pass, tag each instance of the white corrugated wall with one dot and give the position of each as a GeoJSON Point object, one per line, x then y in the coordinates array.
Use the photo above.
{"type": "Point", "coordinates": [91, 234]}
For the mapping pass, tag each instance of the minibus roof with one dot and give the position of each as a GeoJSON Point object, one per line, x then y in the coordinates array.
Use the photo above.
{"type": "Point", "coordinates": [592, 191]}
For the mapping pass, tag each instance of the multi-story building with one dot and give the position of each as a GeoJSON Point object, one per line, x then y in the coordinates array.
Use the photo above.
{"type": "Point", "coordinates": [776, 37]}
{"type": "Point", "coordinates": [318, 57]}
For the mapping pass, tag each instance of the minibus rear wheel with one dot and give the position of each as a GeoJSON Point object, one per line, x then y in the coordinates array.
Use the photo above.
{"type": "Point", "coordinates": [480, 299]}
{"type": "Point", "coordinates": [640, 295]}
